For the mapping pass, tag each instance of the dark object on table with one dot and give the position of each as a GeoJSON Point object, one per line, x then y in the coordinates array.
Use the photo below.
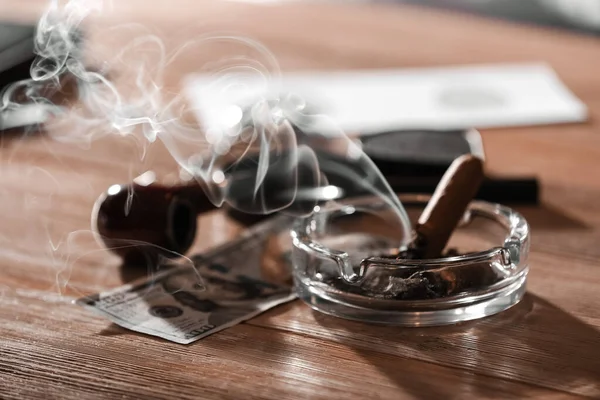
{"type": "Point", "coordinates": [420, 153]}
{"type": "Point", "coordinates": [142, 221]}
{"type": "Point", "coordinates": [19, 63]}
{"type": "Point", "coordinates": [16, 56]}
{"type": "Point", "coordinates": [411, 162]}
{"type": "Point", "coordinates": [415, 161]}
{"type": "Point", "coordinates": [520, 191]}
{"type": "Point", "coordinates": [16, 52]}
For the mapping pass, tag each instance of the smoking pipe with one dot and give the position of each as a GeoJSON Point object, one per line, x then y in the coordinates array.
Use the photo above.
{"type": "Point", "coordinates": [145, 219]}
{"type": "Point", "coordinates": [141, 220]}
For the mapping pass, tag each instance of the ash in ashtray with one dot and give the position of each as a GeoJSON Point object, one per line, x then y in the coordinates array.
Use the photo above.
{"type": "Point", "coordinates": [413, 254]}
{"type": "Point", "coordinates": [423, 284]}
{"type": "Point", "coordinates": [434, 228]}
{"type": "Point", "coordinates": [407, 275]}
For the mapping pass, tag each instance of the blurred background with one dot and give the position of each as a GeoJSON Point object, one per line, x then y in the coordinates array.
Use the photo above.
{"type": "Point", "coordinates": [578, 15]}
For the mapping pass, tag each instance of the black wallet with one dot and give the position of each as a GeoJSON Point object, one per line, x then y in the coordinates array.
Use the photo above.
{"type": "Point", "coordinates": [415, 161]}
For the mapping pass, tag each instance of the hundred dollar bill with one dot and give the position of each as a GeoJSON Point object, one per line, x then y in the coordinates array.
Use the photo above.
{"type": "Point", "coordinates": [225, 286]}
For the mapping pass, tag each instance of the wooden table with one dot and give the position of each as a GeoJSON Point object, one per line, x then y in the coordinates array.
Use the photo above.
{"type": "Point", "coordinates": [548, 346]}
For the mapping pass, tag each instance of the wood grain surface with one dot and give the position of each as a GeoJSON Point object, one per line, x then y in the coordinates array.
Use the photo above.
{"type": "Point", "coordinates": [548, 346]}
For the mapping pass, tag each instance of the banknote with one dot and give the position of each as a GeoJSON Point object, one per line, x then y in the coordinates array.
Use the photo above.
{"type": "Point", "coordinates": [219, 289]}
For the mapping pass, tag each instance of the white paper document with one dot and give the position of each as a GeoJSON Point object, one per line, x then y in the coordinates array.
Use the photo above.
{"type": "Point", "coordinates": [374, 101]}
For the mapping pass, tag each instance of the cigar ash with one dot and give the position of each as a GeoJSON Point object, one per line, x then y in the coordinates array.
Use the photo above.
{"type": "Point", "coordinates": [423, 284]}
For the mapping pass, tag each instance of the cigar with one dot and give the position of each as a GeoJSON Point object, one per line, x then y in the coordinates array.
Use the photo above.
{"type": "Point", "coordinates": [447, 206]}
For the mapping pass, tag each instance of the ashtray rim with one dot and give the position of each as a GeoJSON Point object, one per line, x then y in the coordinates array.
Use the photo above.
{"type": "Point", "coordinates": [513, 251]}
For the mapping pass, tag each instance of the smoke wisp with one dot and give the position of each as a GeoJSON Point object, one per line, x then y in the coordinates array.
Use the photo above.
{"type": "Point", "coordinates": [249, 152]}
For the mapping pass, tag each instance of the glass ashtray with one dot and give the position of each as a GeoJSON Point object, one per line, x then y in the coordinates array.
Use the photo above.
{"type": "Point", "coordinates": [345, 260]}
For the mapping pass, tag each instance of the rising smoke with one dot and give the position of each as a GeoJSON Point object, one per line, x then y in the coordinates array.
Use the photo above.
{"type": "Point", "coordinates": [271, 165]}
